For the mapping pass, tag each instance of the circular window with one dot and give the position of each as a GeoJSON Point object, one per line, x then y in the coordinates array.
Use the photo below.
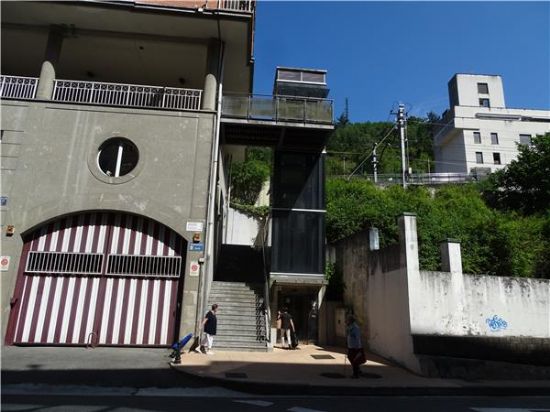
{"type": "Point", "coordinates": [117, 157]}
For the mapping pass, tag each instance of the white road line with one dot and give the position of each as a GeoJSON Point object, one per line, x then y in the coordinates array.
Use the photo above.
{"type": "Point", "coordinates": [508, 410]}
{"type": "Point", "coordinates": [255, 403]}
{"type": "Point", "coordinates": [298, 409]}
{"type": "Point", "coordinates": [90, 391]}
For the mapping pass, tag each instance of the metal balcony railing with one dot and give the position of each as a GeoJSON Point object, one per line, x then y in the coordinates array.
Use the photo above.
{"type": "Point", "coordinates": [127, 95]}
{"type": "Point", "coordinates": [278, 108]}
{"type": "Point", "coordinates": [18, 87]}
{"type": "Point", "coordinates": [237, 5]}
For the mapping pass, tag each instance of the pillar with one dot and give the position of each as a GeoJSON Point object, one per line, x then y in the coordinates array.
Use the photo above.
{"type": "Point", "coordinates": [47, 72]}
{"type": "Point", "coordinates": [212, 75]}
{"type": "Point", "coordinates": [451, 259]}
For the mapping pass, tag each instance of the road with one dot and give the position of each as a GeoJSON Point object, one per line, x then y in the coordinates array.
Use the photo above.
{"type": "Point", "coordinates": [105, 379]}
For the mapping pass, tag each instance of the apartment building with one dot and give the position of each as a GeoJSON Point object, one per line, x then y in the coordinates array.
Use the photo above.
{"type": "Point", "coordinates": [479, 133]}
{"type": "Point", "coordinates": [115, 115]}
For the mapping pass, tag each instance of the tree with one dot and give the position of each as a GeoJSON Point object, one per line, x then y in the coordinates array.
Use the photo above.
{"type": "Point", "coordinates": [524, 185]}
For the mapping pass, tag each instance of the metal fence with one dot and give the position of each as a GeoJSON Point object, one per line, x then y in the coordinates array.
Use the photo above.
{"type": "Point", "coordinates": [18, 87]}
{"type": "Point", "coordinates": [64, 263]}
{"type": "Point", "coordinates": [129, 95]}
{"type": "Point", "coordinates": [237, 5]}
{"type": "Point", "coordinates": [141, 265]}
{"type": "Point", "coordinates": [278, 108]}
{"type": "Point", "coordinates": [420, 178]}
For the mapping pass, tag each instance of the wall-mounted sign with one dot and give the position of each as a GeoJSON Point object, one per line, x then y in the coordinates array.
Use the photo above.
{"type": "Point", "coordinates": [194, 226]}
{"type": "Point", "coordinates": [194, 268]}
{"type": "Point", "coordinates": [4, 263]}
{"type": "Point", "coordinates": [196, 247]}
{"type": "Point", "coordinates": [3, 200]}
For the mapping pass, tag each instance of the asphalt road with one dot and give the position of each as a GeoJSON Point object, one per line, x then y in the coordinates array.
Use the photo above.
{"type": "Point", "coordinates": [141, 403]}
{"type": "Point", "coordinates": [107, 379]}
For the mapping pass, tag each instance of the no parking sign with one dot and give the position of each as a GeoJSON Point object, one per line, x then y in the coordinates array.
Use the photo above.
{"type": "Point", "coordinates": [4, 263]}
{"type": "Point", "coordinates": [194, 268]}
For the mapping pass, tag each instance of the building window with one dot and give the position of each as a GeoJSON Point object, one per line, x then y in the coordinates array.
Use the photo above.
{"type": "Point", "coordinates": [483, 88]}
{"type": "Point", "coordinates": [496, 158]}
{"type": "Point", "coordinates": [477, 137]}
{"type": "Point", "coordinates": [117, 157]}
{"type": "Point", "coordinates": [479, 158]}
{"type": "Point", "coordinates": [494, 138]}
{"type": "Point", "coordinates": [525, 139]}
{"type": "Point", "coordinates": [484, 103]}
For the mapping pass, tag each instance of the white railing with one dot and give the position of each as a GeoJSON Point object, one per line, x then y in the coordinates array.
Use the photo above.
{"type": "Point", "coordinates": [237, 5]}
{"type": "Point", "coordinates": [129, 95]}
{"type": "Point", "coordinates": [18, 87]}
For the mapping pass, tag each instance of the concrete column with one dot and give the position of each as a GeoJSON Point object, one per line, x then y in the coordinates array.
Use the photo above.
{"type": "Point", "coordinates": [44, 90]}
{"type": "Point", "coordinates": [212, 75]}
{"type": "Point", "coordinates": [451, 259]}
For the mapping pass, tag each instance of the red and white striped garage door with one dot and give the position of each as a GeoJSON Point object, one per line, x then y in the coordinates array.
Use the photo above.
{"type": "Point", "coordinates": [98, 278]}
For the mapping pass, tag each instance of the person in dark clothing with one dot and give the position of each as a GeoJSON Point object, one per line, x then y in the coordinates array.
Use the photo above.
{"type": "Point", "coordinates": [287, 327]}
{"type": "Point", "coordinates": [209, 324]}
{"type": "Point", "coordinates": [356, 354]}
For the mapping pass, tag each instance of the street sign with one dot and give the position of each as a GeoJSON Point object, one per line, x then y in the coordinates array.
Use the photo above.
{"type": "Point", "coordinates": [194, 268]}
{"type": "Point", "coordinates": [196, 247]}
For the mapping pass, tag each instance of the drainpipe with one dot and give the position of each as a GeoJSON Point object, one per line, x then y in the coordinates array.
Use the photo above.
{"type": "Point", "coordinates": [208, 270]}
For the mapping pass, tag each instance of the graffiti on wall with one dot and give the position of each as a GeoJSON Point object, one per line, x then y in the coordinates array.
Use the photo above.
{"type": "Point", "coordinates": [495, 323]}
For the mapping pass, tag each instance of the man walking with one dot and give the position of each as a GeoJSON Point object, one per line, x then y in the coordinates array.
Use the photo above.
{"type": "Point", "coordinates": [209, 325]}
{"type": "Point", "coordinates": [287, 326]}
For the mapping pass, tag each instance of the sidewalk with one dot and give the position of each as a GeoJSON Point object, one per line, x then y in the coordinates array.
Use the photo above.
{"type": "Point", "coordinates": [325, 371]}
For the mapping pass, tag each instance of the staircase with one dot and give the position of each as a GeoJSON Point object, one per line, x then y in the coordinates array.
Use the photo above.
{"type": "Point", "coordinates": [241, 322]}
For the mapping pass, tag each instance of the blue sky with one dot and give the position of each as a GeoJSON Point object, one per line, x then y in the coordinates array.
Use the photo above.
{"type": "Point", "coordinates": [380, 53]}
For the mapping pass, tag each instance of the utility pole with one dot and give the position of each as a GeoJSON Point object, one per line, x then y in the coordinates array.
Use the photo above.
{"type": "Point", "coordinates": [401, 125]}
{"type": "Point", "coordinates": [375, 163]}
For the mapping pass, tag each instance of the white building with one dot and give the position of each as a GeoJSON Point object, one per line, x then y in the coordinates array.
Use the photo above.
{"type": "Point", "coordinates": [480, 134]}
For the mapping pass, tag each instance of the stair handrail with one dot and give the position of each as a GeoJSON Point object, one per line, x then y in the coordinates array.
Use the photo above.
{"type": "Point", "coordinates": [267, 311]}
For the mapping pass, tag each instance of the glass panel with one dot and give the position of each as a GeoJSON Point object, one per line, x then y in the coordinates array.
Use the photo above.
{"type": "Point", "coordinates": [477, 137]}
{"type": "Point", "coordinates": [479, 157]}
{"type": "Point", "coordinates": [494, 138]}
{"type": "Point", "coordinates": [483, 88]}
{"type": "Point", "coordinates": [298, 242]}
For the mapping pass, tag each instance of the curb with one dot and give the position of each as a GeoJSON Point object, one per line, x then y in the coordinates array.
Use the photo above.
{"type": "Point", "coordinates": [272, 388]}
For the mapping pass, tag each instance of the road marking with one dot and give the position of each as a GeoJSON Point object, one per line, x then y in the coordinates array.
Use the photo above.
{"type": "Point", "coordinates": [255, 403]}
{"type": "Point", "coordinates": [84, 390]}
{"type": "Point", "coordinates": [298, 409]}
{"type": "Point", "coordinates": [509, 410]}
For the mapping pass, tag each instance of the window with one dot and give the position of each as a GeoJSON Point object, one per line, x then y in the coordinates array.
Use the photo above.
{"type": "Point", "coordinates": [496, 158]}
{"type": "Point", "coordinates": [483, 88]}
{"type": "Point", "coordinates": [477, 137]}
{"type": "Point", "coordinates": [494, 138]}
{"type": "Point", "coordinates": [525, 139]}
{"type": "Point", "coordinates": [484, 103]}
{"type": "Point", "coordinates": [479, 158]}
{"type": "Point", "coordinates": [117, 157]}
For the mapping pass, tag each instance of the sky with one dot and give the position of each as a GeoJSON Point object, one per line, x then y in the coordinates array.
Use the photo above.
{"type": "Point", "coordinates": [380, 54]}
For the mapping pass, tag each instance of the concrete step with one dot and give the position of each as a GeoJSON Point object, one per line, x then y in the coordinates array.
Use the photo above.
{"type": "Point", "coordinates": [219, 299]}
{"type": "Point", "coordinates": [236, 338]}
{"type": "Point", "coordinates": [227, 307]}
{"type": "Point", "coordinates": [245, 329]}
{"type": "Point", "coordinates": [236, 344]}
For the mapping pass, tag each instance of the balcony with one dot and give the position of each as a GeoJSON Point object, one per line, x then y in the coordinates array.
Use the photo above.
{"type": "Point", "coordinates": [278, 109]}
{"type": "Point", "coordinates": [105, 94]}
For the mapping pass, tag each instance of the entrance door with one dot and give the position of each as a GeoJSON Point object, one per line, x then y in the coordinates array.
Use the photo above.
{"type": "Point", "coordinates": [98, 278]}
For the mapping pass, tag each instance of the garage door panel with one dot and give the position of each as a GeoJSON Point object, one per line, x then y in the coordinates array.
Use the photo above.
{"type": "Point", "coordinates": [101, 278]}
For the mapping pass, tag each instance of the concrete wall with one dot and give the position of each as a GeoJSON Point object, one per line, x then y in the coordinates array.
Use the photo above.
{"type": "Point", "coordinates": [241, 229]}
{"type": "Point", "coordinates": [466, 305]}
{"type": "Point", "coordinates": [54, 172]}
{"type": "Point", "coordinates": [401, 307]}
{"type": "Point", "coordinates": [468, 93]}
{"type": "Point", "coordinates": [376, 289]}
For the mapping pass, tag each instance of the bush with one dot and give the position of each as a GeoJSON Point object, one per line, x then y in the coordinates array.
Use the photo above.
{"type": "Point", "coordinates": [247, 179]}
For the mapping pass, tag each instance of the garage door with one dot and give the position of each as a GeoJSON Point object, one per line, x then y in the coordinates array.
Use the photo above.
{"type": "Point", "coordinates": [98, 278]}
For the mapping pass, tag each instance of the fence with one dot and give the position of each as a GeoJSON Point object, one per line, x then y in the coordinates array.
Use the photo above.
{"type": "Point", "coordinates": [129, 95]}
{"type": "Point", "coordinates": [278, 108]}
{"type": "Point", "coordinates": [18, 87]}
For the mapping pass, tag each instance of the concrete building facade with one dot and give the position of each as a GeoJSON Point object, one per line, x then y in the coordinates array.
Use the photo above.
{"type": "Point", "coordinates": [115, 119]}
{"type": "Point", "coordinates": [479, 133]}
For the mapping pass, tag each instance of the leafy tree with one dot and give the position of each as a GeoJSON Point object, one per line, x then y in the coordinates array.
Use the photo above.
{"type": "Point", "coordinates": [524, 185]}
{"type": "Point", "coordinates": [247, 179]}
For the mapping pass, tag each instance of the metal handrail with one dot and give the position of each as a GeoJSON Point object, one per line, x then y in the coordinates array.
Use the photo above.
{"type": "Point", "coordinates": [237, 5]}
{"type": "Point", "coordinates": [18, 87]}
{"type": "Point", "coordinates": [128, 95]}
{"type": "Point", "coordinates": [267, 314]}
